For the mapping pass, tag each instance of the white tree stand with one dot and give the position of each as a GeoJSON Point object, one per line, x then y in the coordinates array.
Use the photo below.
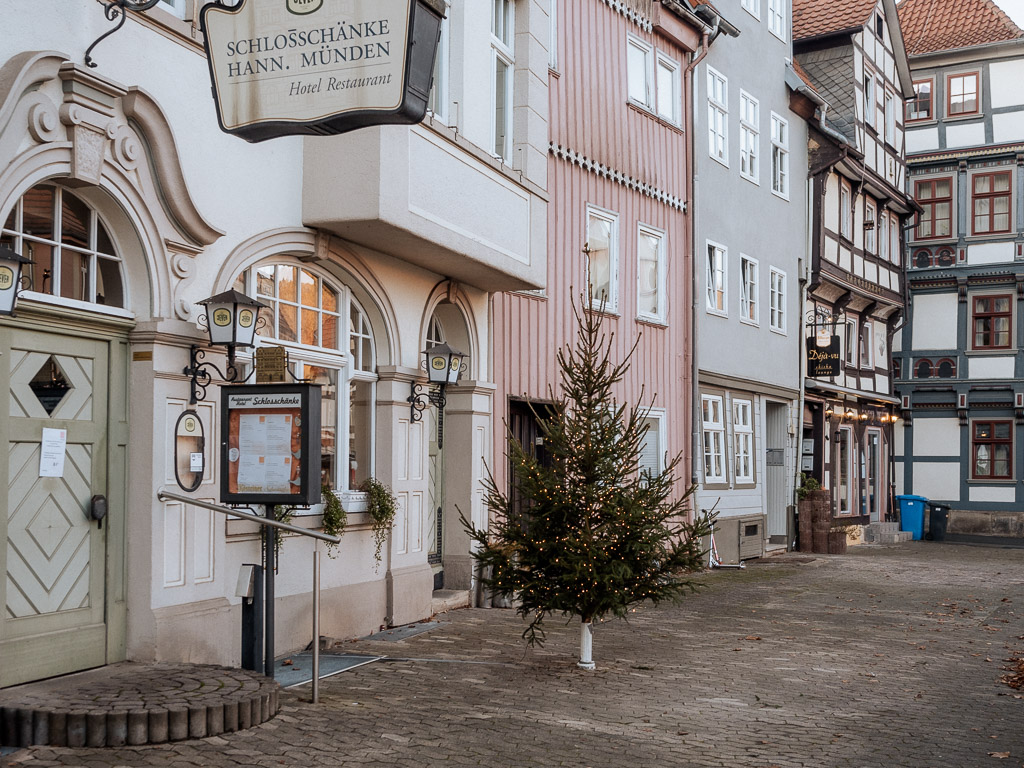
{"type": "Point", "coordinates": [586, 646]}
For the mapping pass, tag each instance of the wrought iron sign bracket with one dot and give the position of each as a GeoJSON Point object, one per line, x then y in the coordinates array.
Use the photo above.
{"type": "Point", "coordinates": [198, 371]}
{"type": "Point", "coordinates": [420, 399]}
{"type": "Point", "coordinates": [117, 9]}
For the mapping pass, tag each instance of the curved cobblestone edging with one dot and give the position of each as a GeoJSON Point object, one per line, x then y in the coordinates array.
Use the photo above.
{"type": "Point", "coordinates": [134, 704]}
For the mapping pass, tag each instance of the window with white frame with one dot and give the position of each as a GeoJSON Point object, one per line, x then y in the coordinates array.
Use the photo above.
{"type": "Point", "coordinates": [883, 234]}
{"type": "Point", "coordinates": [713, 424]}
{"type": "Point", "coordinates": [650, 247]}
{"type": "Point", "coordinates": [749, 137]}
{"type": "Point", "coordinates": [752, 6]}
{"type": "Point", "coordinates": [718, 116]}
{"type": "Point", "coordinates": [602, 259]}
{"type": "Point", "coordinates": [850, 341]}
{"type": "Point", "coordinates": [437, 101]}
{"type": "Point", "coordinates": [845, 210]}
{"type": "Point", "coordinates": [177, 7]}
{"type": "Point", "coordinates": [743, 440]}
{"type": "Point", "coordinates": [844, 470]}
{"type": "Point", "coordinates": [715, 278]}
{"type": "Point", "coordinates": [870, 222]}
{"type": "Point", "coordinates": [869, 100]}
{"type": "Point", "coordinates": [866, 360]}
{"type": "Point", "coordinates": [651, 459]}
{"type": "Point", "coordinates": [640, 71]}
{"type": "Point", "coordinates": [748, 290]}
{"type": "Point", "coordinates": [73, 254]}
{"type": "Point", "coordinates": [670, 89]}
{"type": "Point", "coordinates": [553, 34]}
{"type": "Point", "coordinates": [894, 238]}
{"type": "Point", "coordinates": [503, 66]}
{"type": "Point", "coordinates": [310, 315]}
{"type": "Point", "coordinates": [777, 18]}
{"type": "Point", "coordinates": [780, 156]}
{"type": "Point", "coordinates": [777, 300]}
{"type": "Point", "coordinates": [890, 119]}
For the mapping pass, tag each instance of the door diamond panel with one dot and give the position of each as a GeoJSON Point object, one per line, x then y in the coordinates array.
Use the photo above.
{"type": "Point", "coordinates": [48, 568]}
{"type": "Point", "coordinates": [74, 373]}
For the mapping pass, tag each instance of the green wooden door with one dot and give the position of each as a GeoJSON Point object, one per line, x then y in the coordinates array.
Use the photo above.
{"type": "Point", "coordinates": [53, 555]}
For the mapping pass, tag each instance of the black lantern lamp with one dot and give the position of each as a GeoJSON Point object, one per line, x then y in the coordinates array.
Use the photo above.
{"type": "Point", "coordinates": [231, 320]}
{"type": "Point", "coordinates": [444, 366]}
{"type": "Point", "coordinates": [10, 278]}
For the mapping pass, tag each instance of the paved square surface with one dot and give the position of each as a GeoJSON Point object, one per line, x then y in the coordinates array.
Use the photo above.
{"type": "Point", "coordinates": [887, 656]}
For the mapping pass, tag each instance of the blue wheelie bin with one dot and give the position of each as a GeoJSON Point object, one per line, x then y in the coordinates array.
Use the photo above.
{"type": "Point", "coordinates": [912, 514]}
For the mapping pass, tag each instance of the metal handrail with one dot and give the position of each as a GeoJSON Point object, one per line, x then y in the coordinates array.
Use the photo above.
{"type": "Point", "coordinates": [165, 495]}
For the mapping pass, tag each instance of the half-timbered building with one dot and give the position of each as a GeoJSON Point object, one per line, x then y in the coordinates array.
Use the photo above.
{"type": "Point", "coordinates": [960, 372]}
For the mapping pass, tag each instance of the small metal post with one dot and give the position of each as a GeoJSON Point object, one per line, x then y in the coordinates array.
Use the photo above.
{"type": "Point", "coordinates": [269, 552]}
{"type": "Point", "coordinates": [316, 623]}
{"type": "Point", "coordinates": [252, 623]}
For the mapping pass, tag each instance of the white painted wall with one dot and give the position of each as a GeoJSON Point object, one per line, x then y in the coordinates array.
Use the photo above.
{"type": "Point", "coordinates": [936, 437]}
{"type": "Point", "coordinates": [999, 494]}
{"type": "Point", "coordinates": [922, 140]}
{"type": "Point", "coordinates": [937, 481]}
{"type": "Point", "coordinates": [1004, 82]}
{"type": "Point", "coordinates": [935, 321]}
{"type": "Point", "coordinates": [991, 367]}
{"type": "Point", "coordinates": [989, 253]}
{"type": "Point", "coordinates": [969, 135]}
{"type": "Point", "coordinates": [1008, 126]}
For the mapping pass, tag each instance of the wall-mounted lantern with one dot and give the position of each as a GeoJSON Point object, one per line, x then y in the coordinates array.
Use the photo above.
{"type": "Point", "coordinates": [10, 278]}
{"type": "Point", "coordinates": [231, 320]}
{"type": "Point", "coordinates": [444, 366]}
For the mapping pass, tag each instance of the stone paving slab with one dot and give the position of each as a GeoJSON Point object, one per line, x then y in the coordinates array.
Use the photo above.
{"type": "Point", "coordinates": [135, 704]}
{"type": "Point", "coordinates": [888, 657]}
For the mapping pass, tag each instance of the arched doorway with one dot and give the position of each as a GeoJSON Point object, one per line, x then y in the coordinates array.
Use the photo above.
{"type": "Point", "coordinates": [63, 425]}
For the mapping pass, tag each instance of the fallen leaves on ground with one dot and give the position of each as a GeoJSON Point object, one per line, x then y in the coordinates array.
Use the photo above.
{"type": "Point", "coordinates": [1015, 677]}
{"type": "Point", "coordinates": [1000, 755]}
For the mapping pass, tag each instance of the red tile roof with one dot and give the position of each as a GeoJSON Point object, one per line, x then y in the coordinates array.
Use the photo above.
{"type": "Point", "coordinates": [942, 25]}
{"type": "Point", "coordinates": [820, 17]}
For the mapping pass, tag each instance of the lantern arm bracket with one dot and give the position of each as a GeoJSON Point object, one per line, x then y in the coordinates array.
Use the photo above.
{"type": "Point", "coordinates": [117, 9]}
{"type": "Point", "coordinates": [198, 371]}
{"type": "Point", "coordinates": [420, 399]}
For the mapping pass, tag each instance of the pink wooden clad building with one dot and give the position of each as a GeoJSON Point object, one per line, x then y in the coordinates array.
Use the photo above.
{"type": "Point", "coordinates": [618, 177]}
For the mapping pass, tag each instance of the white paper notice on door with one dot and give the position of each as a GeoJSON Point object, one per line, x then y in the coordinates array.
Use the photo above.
{"type": "Point", "coordinates": [53, 450]}
{"type": "Point", "coordinates": [265, 453]}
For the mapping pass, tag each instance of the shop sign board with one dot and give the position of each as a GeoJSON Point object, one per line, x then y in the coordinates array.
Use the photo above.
{"type": "Point", "coordinates": [270, 450]}
{"type": "Point", "coordinates": [823, 361]}
{"type": "Point", "coordinates": [320, 67]}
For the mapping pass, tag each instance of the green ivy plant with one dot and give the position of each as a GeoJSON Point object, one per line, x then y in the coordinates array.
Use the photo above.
{"type": "Point", "coordinates": [335, 517]}
{"type": "Point", "coordinates": [807, 484]}
{"type": "Point", "coordinates": [382, 506]}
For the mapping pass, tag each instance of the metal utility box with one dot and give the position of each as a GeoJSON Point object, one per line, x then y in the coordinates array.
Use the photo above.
{"type": "Point", "coordinates": [739, 538]}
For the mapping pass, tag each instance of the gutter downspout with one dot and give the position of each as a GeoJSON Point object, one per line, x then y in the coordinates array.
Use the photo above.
{"type": "Point", "coordinates": [801, 353]}
{"type": "Point", "coordinates": [716, 25]}
{"type": "Point", "coordinates": [691, 201]}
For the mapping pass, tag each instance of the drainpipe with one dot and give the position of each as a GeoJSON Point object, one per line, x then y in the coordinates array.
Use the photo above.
{"type": "Point", "coordinates": [716, 25]}
{"type": "Point", "coordinates": [691, 201]}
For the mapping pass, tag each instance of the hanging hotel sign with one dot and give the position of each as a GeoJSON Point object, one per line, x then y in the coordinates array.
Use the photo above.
{"type": "Point", "coordinates": [823, 360]}
{"type": "Point", "coordinates": [320, 67]}
{"type": "Point", "coordinates": [271, 446]}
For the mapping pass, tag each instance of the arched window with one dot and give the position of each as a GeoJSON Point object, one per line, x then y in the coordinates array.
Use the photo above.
{"type": "Point", "coordinates": [73, 255]}
{"type": "Point", "coordinates": [922, 259]}
{"type": "Point", "coordinates": [310, 314]}
{"type": "Point", "coordinates": [924, 369]}
{"type": "Point", "coordinates": [946, 368]}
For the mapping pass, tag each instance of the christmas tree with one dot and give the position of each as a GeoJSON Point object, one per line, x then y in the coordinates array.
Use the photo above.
{"type": "Point", "coordinates": [585, 532]}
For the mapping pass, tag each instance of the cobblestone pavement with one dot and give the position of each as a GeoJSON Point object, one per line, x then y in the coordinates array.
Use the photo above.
{"type": "Point", "coordinates": [887, 656]}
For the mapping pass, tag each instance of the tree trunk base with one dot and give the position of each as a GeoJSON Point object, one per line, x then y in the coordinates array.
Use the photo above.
{"type": "Point", "coordinates": [586, 646]}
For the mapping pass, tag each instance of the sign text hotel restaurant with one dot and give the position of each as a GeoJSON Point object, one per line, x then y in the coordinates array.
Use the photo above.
{"type": "Point", "coordinates": [320, 67]}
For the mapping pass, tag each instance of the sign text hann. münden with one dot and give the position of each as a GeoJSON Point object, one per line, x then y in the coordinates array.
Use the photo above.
{"type": "Point", "coordinates": [282, 67]}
